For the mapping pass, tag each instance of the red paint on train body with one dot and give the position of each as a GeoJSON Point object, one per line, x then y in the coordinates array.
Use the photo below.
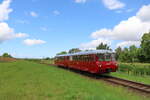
{"type": "Point", "coordinates": [98, 61]}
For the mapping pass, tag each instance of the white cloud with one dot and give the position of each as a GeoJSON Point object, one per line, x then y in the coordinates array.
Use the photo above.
{"type": "Point", "coordinates": [128, 43]}
{"type": "Point", "coordinates": [7, 33]}
{"type": "Point", "coordinates": [80, 1]}
{"type": "Point", "coordinates": [119, 11]}
{"type": "Point", "coordinates": [21, 35]}
{"type": "Point", "coordinates": [144, 13]}
{"type": "Point", "coordinates": [5, 10]}
{"type": "Point", "coordinates": [56, 12]}
{"type": "Point", "coordinates": [94, 43]}
{"type": "Point", "coordinates": [129, 10]}
{"type": "Point", "coordinates": [31, 42]}
{"type": "Point", "coordinates": [43, 28]}
{"type": "Point", "coordinates": [113, 4]}
{"type": "Point", "coordinates": [33, 14]}
{"type": "Point", "coordinates": [22, 21]}
{"type": "Point", "coordinates": [129, 31]}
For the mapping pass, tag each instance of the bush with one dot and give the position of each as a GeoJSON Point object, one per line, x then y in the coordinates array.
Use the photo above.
{"type": "Point", "coordinates": [135, 68]}
{"type": "Point", "coordinates": [6, 55]}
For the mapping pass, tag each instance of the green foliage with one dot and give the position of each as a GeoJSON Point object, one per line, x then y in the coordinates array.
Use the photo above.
{"type": "Point", "coordinates": [47, 58]}
{"type": "Point", "coordinates": [137, 69]}
{"type": "Point", "coordinates": [74, 50]}
{"type": "Point", "coordinates": [103, 46]}
{"type": "Point", "coordinates": [145, 46]}
{"type": "Point", "coordinates": [134, 54]}
{"type": "Point", "coordinates": [118, 52]}
{"type": "Point", "coordinates": [6, 55]}
{"type": "Point", "coordinates": [61, 53]}
{"type": "Point", "coordinates": [127, 54]}
{"type": "Point", "coordinates": [132, 77]}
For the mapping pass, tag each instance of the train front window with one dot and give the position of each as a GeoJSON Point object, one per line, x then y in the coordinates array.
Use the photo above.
{"type": "Point", "coordinates": [101, 57]}
{"type": "Point", "coordinates": [107, 57]}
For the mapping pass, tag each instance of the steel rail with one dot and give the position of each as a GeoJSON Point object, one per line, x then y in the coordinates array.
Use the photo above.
{"type": "Point", "coordinates": [127, 83]}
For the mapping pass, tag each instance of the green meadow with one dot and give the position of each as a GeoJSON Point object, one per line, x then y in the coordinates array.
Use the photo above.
{"type": "Point", "coordinates": [26, 80]}
{"type": "Point", "coordinates": [139, 72]}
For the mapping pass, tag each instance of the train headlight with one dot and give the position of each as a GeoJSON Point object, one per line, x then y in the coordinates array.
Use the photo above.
{"type": "Point", "coordinates": [100, 65]}
{"type": "Point", "coordinates": [116, 64]}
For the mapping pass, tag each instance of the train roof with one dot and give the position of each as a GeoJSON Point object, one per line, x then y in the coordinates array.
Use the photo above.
{"type": "Point", "coordinates": [86, 53]}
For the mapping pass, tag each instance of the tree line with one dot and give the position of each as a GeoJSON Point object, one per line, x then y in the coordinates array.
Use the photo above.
{"type": "Point", "coordinates": [130, 54]}
{"type": "Point", "coordinates": [135, 54]}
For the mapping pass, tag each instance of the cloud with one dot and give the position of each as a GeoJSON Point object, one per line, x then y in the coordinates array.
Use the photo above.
{"type": "Point", "coordinates": [130, 10]}
{"type": "Point", "coordinates": [94, 43]}
{"type": "Point", "coordinates": [7, 33]}
{"type": "Point", "coordinates": [33, 14]}
{"type": "Point", "coordinates": [129, 31]}
{"type": "Point", "coordinates": [43, 28]}
{"type": "Point", "coordinates": [21, 35]}
{"type": "Point", "coordinates": [128, 43]}
{"type": "Point", "coordinates": [5, 10]}
{"type": "Point", "coordinates": [56, 12]}
{"type": "Point", "coordinates": [31, 42]}
{"type": "Point", "coordinates": [22, 21]}
{"type": "Point", "coordinates": [144, 13]}
{"type": "Point", "coordinates": [113, 4]}
{"type": "Point", "coordinates": [80, 1]}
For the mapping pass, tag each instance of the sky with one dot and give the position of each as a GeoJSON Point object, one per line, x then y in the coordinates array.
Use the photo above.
{"type": "Point", "coordinates": [42, 28]}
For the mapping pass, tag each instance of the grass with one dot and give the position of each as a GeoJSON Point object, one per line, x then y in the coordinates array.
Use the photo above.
{"type": "Point", "coordinates": [141, 79]}
{"type": "Point", "coordinates": [47, 61]}
{"type": "Point", "coordinates": [125, 74]}
{"type": "Point", "coordinates": [138, 69]}
{"type": "Point", "coordinates": [24, 80]}
{"type": "Point", "coordinates": [139, 72]}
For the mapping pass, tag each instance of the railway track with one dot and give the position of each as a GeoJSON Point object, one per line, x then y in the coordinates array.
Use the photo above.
{"type": "Point", "coordinates": [118, 81]}
{"type": "Point", "coordinates": [130, 84]}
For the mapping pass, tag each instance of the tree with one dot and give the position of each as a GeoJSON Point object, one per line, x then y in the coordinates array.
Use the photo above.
{"type": "Point", "coordinates": [125, 55]}
{"type": "Point", "coordinates": [133, 52]}
{"type": "Point", "coordinates": [118, 52]}
{"type": "Point", "coordinates": [61, 53]}
{"type": "Point", "coordinates": [6, 55]}
{"type": "Point", "coordinates": [140, 55]}
{"type": "Point", "coordinates": [47, 58]}
{"type": "Point", "coordinates": [74, 50]}
{"type": "Point", "coordinates": [145, 46]}
{"type": "Point", "coordinates": [103, 46]}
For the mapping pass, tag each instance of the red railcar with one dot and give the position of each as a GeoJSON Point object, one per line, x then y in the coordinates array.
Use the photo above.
{"type": "Point", "coordinates": [96, 61]}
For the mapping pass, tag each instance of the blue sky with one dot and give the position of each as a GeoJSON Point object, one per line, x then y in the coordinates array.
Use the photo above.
{"type": "Point", "coordinates": [42, 28]}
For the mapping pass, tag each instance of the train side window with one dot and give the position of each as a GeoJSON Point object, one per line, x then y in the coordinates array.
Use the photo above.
{"type": "Point", "coordinates": [70, 58]}
{"type": "Point", "coordinates": [80, 58]}
{"type": "Point", "coordinates": [88, 58]}
{"type": "Point", "coordinates": [107, 57]}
